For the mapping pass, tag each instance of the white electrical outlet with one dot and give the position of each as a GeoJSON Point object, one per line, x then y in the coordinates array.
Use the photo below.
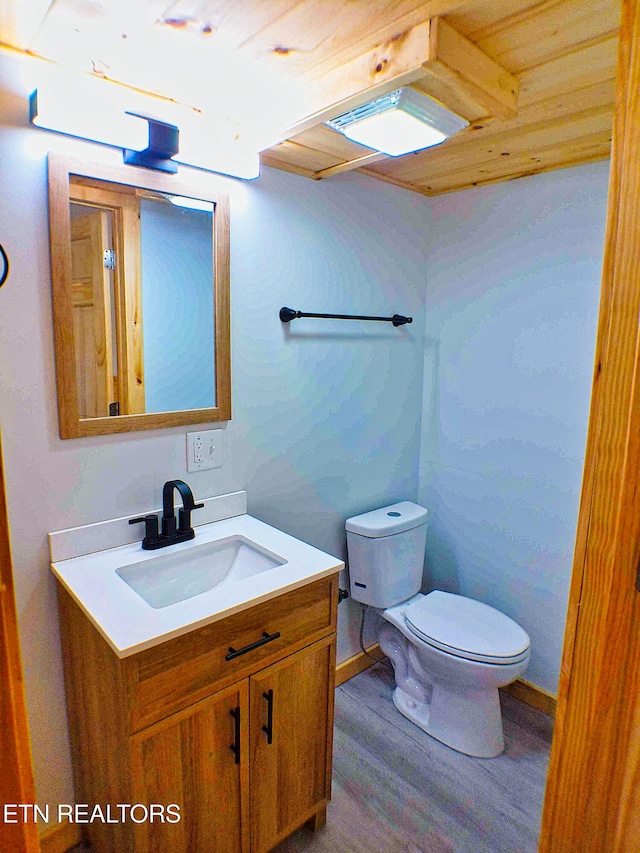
{"type": "Point", "coordinates": [204, 449]}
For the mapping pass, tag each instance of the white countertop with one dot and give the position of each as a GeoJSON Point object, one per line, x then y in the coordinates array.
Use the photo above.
{"type": "Point", "coordinates": [130, 625]}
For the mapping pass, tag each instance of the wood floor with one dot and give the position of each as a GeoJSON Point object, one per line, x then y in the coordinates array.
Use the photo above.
{"type": "Point", "coordinates": [397, 790]}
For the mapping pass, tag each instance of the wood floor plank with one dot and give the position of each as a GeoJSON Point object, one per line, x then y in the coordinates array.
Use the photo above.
{"type": "Point", "coordinates": [397, 790]}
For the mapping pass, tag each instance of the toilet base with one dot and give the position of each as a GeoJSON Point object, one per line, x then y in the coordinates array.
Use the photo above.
{"type": "Point", "coordinates": [469, 723]}
{"type": "Point", "coordinates": [453, 700]}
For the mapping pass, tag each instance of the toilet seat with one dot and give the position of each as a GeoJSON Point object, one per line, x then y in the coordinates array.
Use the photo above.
{"type": "Point", "coordinates": [467, 629]}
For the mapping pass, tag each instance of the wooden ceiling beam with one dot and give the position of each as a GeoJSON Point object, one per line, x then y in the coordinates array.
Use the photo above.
{"type": "Point", "coordinates": [460, 64]}
{"type": "Point", "coordinates": [388, 66]}
{"type": "Point", "coordinates": [432, 49]}
{"type": "Point", "coordinates": [349, 165]}
{"type": "Point", "coordinates": [382, 22]}
{"type": "Point", "coordinates": [308, 160]}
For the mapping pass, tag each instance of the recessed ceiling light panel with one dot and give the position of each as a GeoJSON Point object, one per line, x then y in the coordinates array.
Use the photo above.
{"type": "Point", "coordinates": [399, 122]}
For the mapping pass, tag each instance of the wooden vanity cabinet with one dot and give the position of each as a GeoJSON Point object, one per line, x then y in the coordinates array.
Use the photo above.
{"type": "Point", "coordinates": [241, 745]}
{"type": "Point", "coordinates": [186, 760]}
{"type": "Point", "coordinates": [290, 740]}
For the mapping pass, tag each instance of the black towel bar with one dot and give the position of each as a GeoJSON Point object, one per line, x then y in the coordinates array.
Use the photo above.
{"type": "Point", "coordinates": [288, 314]}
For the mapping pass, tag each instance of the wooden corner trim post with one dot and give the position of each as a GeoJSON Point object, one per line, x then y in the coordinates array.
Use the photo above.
{"type": "Point", "coordinates": [592, 801]}
{"type": "Point", "coordinates": [16, 773]}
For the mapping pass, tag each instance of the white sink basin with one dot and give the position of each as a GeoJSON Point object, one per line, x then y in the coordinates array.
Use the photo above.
{"type": "Point", "coordinates": [137, 599]}
{"type": "Point", "coordinates": [175, 577]}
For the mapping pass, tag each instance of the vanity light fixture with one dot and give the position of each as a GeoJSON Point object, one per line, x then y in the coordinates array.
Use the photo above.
{"type": "Point", "coordinates": [80, 113]}
{"type": "Point", "coordinates": [148, 143]}
{"type": "Point", "coordinates": [399, 122]}
{"type": "Point", "coordinates": [96, 110]}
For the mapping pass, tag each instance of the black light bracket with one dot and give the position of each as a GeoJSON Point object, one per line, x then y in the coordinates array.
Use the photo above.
{"type": "Point", "coordinates": [163, 145]}
{"type": "Point", "coordinates": [288, 314]}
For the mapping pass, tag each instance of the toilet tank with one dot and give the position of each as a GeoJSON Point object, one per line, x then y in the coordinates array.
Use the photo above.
{"type": "Point", "coordinates": [386, 553]}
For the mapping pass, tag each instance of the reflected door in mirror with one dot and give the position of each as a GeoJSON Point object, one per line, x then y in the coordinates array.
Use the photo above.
{"type": "Point", "coordinates": [150, 259]}
{"type": "Point", "coordinates": [92, 310]}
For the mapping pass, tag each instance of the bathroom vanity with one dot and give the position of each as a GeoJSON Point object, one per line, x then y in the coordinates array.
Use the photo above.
{"type": "Point", "coordinates": [229, 716]}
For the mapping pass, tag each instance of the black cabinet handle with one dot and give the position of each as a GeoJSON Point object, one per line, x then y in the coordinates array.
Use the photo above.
{"type": "Point", "coordinates": [235, 746]}
{"type": "Point", "coordinates": [268, 729]}
{"type": "Point", "coordinates": [266, 638]}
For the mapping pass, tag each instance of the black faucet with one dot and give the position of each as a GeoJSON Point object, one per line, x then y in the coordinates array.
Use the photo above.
{"type": "Point", "coordinates": [170, 533]}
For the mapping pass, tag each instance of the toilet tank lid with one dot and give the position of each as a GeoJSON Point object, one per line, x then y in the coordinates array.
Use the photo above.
{"type": "Point", "coordinates": [387, 520]}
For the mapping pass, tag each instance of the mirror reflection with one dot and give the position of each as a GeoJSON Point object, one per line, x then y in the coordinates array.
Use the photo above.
{"type": "Point", "coordinates": [142, 280]}
{"type": "Point", "coordinates": [140, 296]}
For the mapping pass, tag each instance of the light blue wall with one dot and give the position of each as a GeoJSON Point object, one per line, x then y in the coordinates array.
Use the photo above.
{"type": "Point", "coordinates": [326, 413]}
{"type": "Point", "coordinates": [511, 306]}
{"type": "Point", "coordinates": [177, 307]}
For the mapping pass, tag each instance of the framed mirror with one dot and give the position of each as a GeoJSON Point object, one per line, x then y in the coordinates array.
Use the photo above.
{"type": "Point", "coordinates": [140, 283]}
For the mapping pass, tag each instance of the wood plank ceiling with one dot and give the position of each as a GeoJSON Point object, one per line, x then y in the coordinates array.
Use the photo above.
{"type": "Point", "coordinates": [563, 54]}
{"type": "Point", "coordinates": [534, 79]}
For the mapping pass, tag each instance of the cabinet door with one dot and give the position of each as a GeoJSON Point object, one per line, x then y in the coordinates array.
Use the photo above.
{"type": "Point", "coordinates": [198, 760]}
{"type": "Point", "coordinates": [290, 733]}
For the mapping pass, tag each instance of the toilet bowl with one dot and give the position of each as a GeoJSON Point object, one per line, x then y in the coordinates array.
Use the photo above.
{"type": "Point", "coordinates": [450, 653]}
{"type": "Point", "coordinates": [458, 701]}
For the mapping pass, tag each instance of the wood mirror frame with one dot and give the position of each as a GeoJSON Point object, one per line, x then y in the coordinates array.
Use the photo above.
{"type": "Point", "coordinates": [72, 423]}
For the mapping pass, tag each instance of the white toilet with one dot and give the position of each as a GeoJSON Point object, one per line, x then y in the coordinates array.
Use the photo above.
{"type": "Point", "coordinates": [450, 654]}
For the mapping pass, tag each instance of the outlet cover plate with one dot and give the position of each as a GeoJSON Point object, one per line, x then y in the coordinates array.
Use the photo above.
{"type": "Point", "coordinates": [204, 449]}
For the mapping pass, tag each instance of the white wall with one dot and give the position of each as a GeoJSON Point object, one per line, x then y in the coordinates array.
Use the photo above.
{"type": "Point", "coordinates": [512, 295]}
{"type": "Point", "coordinates": [326, 415]}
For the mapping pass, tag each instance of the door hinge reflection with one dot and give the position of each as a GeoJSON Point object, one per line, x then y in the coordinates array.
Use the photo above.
{"type": "Point", "coordinates": [109, 259]}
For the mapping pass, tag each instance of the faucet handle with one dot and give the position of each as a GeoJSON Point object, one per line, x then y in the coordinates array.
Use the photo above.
{"type": "Point", "coordinates": [151, 529]}
{"type": "Point", "coordinates": [184, 518]}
